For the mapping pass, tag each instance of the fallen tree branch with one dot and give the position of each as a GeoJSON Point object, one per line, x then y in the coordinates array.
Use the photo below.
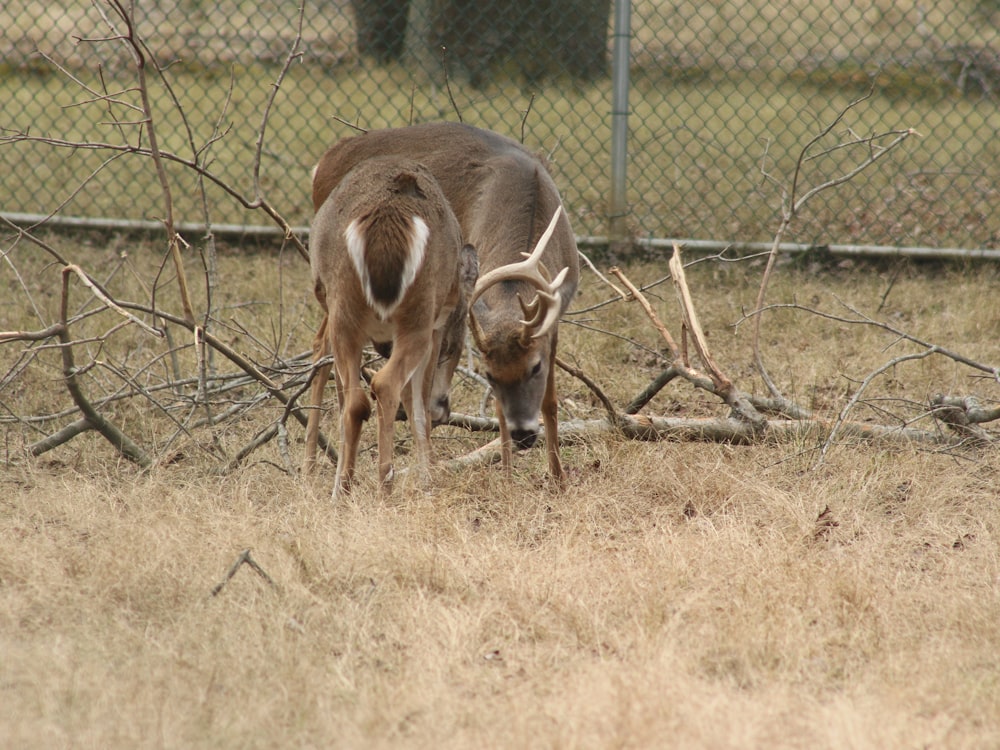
{"type": "Point", "coordinates": [639, 297]}
{"type": "Point", "coordinates": [730, 430]}
{"type": "Point", "coordinates": [56, 439]}
{"type": "Point", "coordinates": [473, 423]}
{"type": "Point", "coordinates": [716, 383]}
{"type": "Point", "coordinates": [734, 398]}
{"type": "Point", "coordinates": [482, 456]}
{"type": "Point", "coordinates": [649, 392]}
{"type": "Point", "coordinates": [716, 430]}
{"type": "Point", "coordinates": [261, 438]}
{"type": "Point", "coordinates": [122, 442]}
{"type": "Point", "coordinates": [964, 414]}
{"type": "Point", "coordinates": [861, 389]}
{"type": "Point", "coordinates": [244, 559]}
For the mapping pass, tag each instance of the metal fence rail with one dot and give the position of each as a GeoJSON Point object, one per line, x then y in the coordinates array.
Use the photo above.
{"type": "Point", "coordinates": [721, 99]}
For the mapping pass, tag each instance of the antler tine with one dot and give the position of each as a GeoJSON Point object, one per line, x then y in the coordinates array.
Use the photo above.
{"type": "Point", "coordinates": [525, 270]}
{"type": "Point", "coordinates": [544, 310]}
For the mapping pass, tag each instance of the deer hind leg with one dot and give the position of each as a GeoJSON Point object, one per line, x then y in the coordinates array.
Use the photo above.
{"type": "Point", "coordinates": [354, 408]}
{"type": "Point", "coordinates": [417, 400]}
{"type": "Point", "coordinates": [411, 354]}
{"type": "Point", "coordinates": [321, 348]}
{"type": "Point", "coordinates": [550, 408]}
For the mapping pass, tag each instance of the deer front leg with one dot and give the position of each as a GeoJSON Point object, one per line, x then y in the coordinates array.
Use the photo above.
{"type": "Point", "coordinates": [550, 409]}
{"type": "Point", "coordinates": [421, 388]}
{"type": "Point", "coordinates": [420, 423]}
{"type": "Point", "coordinates": [416, 399]}
{"type": "Point", "coordinates": [320, 379]}
{"type": "Point", "coordinates": [506, 446]}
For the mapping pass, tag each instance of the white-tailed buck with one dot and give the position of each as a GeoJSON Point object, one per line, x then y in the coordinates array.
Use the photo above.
{"type": "Point", "coordinates": [503, 198]}
{"type": "Point", "coordinates": [387, 263]}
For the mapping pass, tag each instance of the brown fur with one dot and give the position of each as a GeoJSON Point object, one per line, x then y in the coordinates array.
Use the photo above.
{"type": "Point", "coordinates": [503, 197]}
{"type": "Point", "coordinates": [381, 197]}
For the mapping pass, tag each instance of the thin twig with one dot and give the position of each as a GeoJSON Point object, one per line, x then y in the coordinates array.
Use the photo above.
{"type": "Point", "coordinates": [447, 83]}
{"type": "Point", "coordinates": [134, 45]}
{"type": "Point", "coordinates": [842, 417]}
{"type": "Point", "coordinates": [524, 118]}
{"type": "Point", "coordinates": [580, 375]}
{"type": "Point", "coordinates": [244, 559]}
{"type": "Point", "coordinates": [293, 55]}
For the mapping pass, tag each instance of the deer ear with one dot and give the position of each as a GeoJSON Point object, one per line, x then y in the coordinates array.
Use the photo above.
{"type": "Point", "coordinates": [468, 268]}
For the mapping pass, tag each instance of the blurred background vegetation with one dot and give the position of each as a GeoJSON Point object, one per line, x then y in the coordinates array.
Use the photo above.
{"type": "Point", "coordinates": [723, 98]}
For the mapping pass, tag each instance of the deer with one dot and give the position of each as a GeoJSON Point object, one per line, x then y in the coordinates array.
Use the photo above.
{"type": "Point", "coordinates": [505, 202]}
{"type": "Point", "coordinates": [386, 257]}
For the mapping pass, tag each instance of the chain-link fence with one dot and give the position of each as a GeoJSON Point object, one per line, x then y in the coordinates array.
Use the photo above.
{"type": "Point", "coordinates": [723, 97]}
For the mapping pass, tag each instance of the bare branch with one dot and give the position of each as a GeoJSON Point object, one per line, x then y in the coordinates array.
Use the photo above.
{"type": "Point", "coordinates": [125, 445]}
{"type": "Point", "coordinates": [293, 55]}
{"type": "Point", "coordinates": [650, 313]}
{"type": "Point", "coordinates": [723, 384]}
{"type": "Point", "coordinates": [194, 166]}
{"type": "Point", "coordinates": [964, 415]}
{"type": "Point", "coordinates": [718, 384]}
{"type": "Point", "coordinates": [862, 319]}
{"type": "Point", "coordinates": [595, 389]}
{"type": "Point", "coordinates": [98, 292]}
{"type": "Point", "coordinates": [794, 205]}
{"type": "Point", "coordinates": [650, 391]}
{"type": "Point", "coordinates": [56, 439]}
{"type": "Point", "coordinates": [842, 417]}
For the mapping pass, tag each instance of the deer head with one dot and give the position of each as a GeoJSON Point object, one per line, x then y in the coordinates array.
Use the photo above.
{"type": "Point", "coordinates": [517, 355]}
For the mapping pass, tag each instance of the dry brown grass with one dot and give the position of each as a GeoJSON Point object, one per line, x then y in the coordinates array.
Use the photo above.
{"type": "Point", "coordinates": [677, 594]}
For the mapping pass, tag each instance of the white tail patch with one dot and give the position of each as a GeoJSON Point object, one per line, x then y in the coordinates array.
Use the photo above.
{"type": "Point", "coordinates": [415, 258]}
{"type": "Point", "coordinates": [355, 238]}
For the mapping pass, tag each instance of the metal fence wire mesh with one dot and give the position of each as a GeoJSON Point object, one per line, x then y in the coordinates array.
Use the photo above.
{"type": "Point", "coordinates": [723, 97]}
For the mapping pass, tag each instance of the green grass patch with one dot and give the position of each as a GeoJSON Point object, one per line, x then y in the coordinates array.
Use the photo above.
{"type": "Point", "coordinates": [713, 109]}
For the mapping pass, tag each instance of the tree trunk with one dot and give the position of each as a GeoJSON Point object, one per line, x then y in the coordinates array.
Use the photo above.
{"type": "Point", "coordinates": [536, 41]}
{"type": "Point", "coordinates": [381, 28]}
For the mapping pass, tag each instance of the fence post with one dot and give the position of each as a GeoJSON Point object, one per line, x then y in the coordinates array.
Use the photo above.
{"type": "Point", "coordinates": [617, 203]}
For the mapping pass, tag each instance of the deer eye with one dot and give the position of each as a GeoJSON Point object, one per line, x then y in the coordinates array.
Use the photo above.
{"type": "Point", "coordinates": [536, 369]}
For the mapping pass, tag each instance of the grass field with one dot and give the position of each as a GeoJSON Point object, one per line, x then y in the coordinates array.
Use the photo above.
{"type": "Point", "coordinates": [677, 593]}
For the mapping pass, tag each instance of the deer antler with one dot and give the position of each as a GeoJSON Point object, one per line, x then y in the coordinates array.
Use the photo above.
{"type": "Point", "coordinates": [542, 313]}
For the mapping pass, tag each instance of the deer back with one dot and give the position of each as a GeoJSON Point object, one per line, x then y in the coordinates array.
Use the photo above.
{"type": "Point", "coordinates": [501, 193]}
{"type": "Point", "coordinates": [385, 247]}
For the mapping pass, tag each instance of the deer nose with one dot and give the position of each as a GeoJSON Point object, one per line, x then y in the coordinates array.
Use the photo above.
{"type": "Point", "coordinates": [440, 411]}
{"type": "Point", "coordinates": [523, 439]}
